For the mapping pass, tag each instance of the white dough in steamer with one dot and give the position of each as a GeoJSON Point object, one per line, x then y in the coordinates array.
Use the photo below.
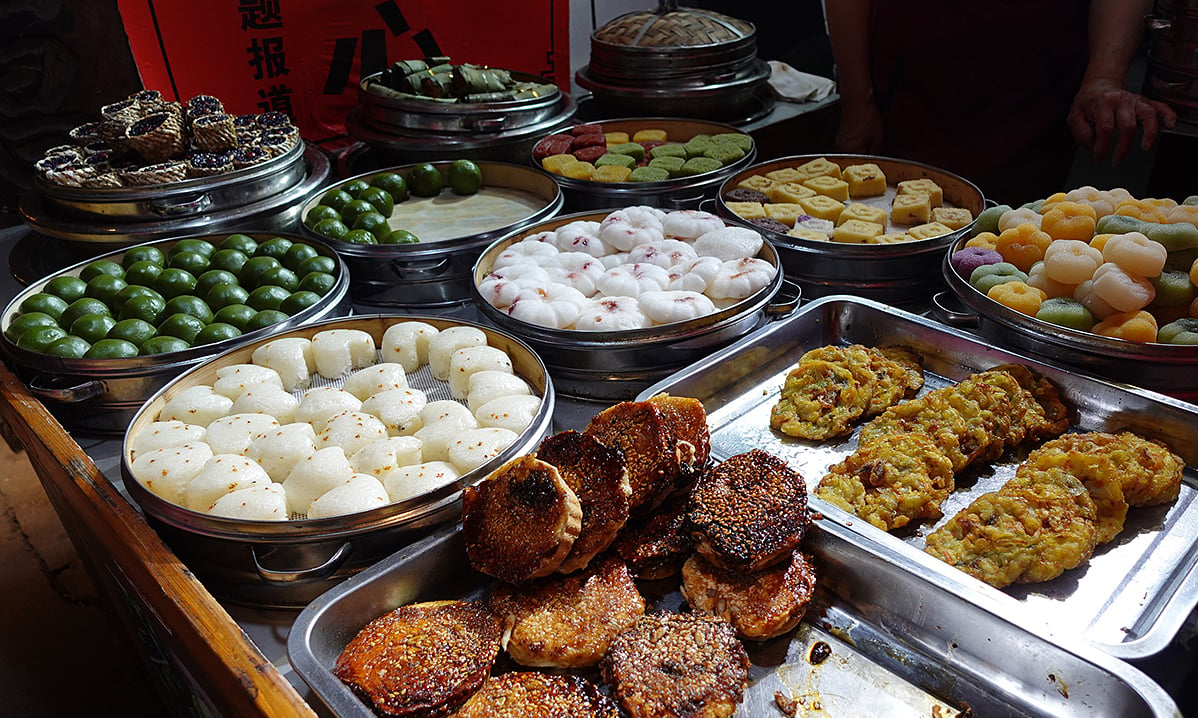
{"type": "Point", "coordinates": [519, 252]}
{"type": "Point", "coordinates": [665, 254]}
{"type": "Point", "coordinates": [337, 352]}
{"type": "Point", "coordinates": [675, 306]}
{"type": "Point", "coordinates": [256, 503]}
{"type": "Point", "coordinates": [555, 305]}
{"type": "Point", "coordinates": [411, 481]}
{"type": "Point", "coordinates": [632, 226]}
{"type": "Point", "coordinates": [291, 357]}
{"type": "Point", "coordinates": [486, 385]}
{"type": "Point", "coordinates": [442, 422]}
{"type": "Point", "coordinates": [351, 430]}
{"type": "Point", "coordinates": [370, 380]}
{"type": "Point", "coordinates": [234, 379]}
{"type": "Point", "coordinates": [442, 346]}
{"type": "Point", "coordinates": [267, 399]}
{"type": "Point", "coordinates": [630, 280]}
{"type": "Point", "coordinates": [500, 287]}
{"type": "Point", "coordinates": [694, 275]}
{"type": "Point", "coordinates": [163, 435]}
{"type": "Point", "coordinates": [741, 278]}
{"type": "Point", "coordinates": [509, 412]}
{"type": "Point", "coordinates": [222, 474]}
{"type": "Point", "coordinates": [465, 362]}
{"type": "Point", "coordinates": [166, 472]}
{"type": "Point", "coordinates": [398, 409]}
{"type": "Point", "coordinates": [577, 270]}
{"type": "Point", "coordinates": [233, 434]}
{"type": "Point", "coordinates": [406, 343]}
{"type": "Point", "coordinates": [315, 474]}
{"type": "Point", "coordinates": [581, 236]}
{"type": "Point", "coordinates": [321, 403]}
{"type": "Point", "coordinates": [476, 447]}
{"type": "Point", "coordinates": [379, 458]}
{"type": "Point", "coordinates": [690, 223]}
{"type": "Point", "coordinates": [610, 314]}
{"type": "Point", "coordinates": [280, 450]}
{"type": "Point", "coordinates": [615, 260]}
{"type": "Point", "coordinates": [359, 493]}
{"type": "Point", "coordinates": [199, 404]}
{"type": "Point", "coordinates": [729, 243]}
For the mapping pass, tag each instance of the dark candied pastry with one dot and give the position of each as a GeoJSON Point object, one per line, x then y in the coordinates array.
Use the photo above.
{"type": "Point", "coordinates": [214, 132]}
{"type": "Point", "coordinates": [156, 137]}
{"type": "Point", "coordinates": [657, 547]}
{"type": "Point", "coordinates": [99, 147]}
{"type": "Point", "coordinates": [771, 224]}
{"type": "Point", "coordinates": [674, 664]}
{"type": "Point", "coordinates": [744, 194]}
{"type": "Point", "coordinates": [759, 605]}
{"type": "Point", "coordinates": [275, 143]}
{"type": "Point", "coordinates": [205, 102]}
{"type": "Point", "coordinates": [85, 134]}
{"type": "Point", "coordinates": [639, 429]}
{"type": "Point", "coordinates": [124, 111]}
{"type": "Point", "coordinates": [748, 512]}
{"type": "Point", "coordinates": [273, 120]}
{"type": "Point", "coordinates": [50, 163]}
{"type": "Point", "coordinates": [248, 156]}
{"type": "Point", "coordinates": [72, 151]}
{"type": "Point", "coordinates": [206, 164]}
{"type": "Point", "coordinates": [529, 694]}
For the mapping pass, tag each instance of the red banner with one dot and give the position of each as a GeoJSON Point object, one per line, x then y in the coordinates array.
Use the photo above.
{"type": "Point", "coordinates": [305, 57]}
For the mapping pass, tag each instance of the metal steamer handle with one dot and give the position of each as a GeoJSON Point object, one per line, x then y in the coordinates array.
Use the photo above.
{"type": "Point", "coordinates": [315, 573]}
{"type": "Point", "coordinates": [945, 306]}
{"type": "Point", "coordinates": [786, 300]}
{"type": "Point", "coordinates": [52, 389]}
{"type": "Point", "coordinates": [167, 208]}
{"type": "Point", "coordinates": [413, 269]}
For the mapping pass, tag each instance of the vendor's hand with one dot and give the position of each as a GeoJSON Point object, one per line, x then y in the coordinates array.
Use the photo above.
{"type": "Point", "coordinates": [1104, 113]}
{"type": "Point", "coordinates": [860, 130]}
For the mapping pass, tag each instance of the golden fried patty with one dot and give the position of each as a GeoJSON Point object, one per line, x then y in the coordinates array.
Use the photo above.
{"type": "Point", "coordinates": [538, 695]}
{"type": "Point", "coordinates": [819, 400]}
{"type": "Point", "coordinates": [748, 512]}
{"type": "Point", "coordinates": [687, 418]}
{"type": "Point", "coordinates": [1150, 473]}
{"type": "Point", "coordinates": [422, 659]}
{"type": "Point", "coordinates": [759, 605]}
{"type": "Point", "coordinates": [674, 664]}
{"type": "Point", "coordinates": [567, 621]}
{"type": "Point", "coordinates": [1096, 472]}
{"type": "Point", "coordinates": [890, 481]}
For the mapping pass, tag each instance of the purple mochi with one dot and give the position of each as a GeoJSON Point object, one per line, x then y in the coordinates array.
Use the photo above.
{"type": "Point", "coordinates": [970, 258]}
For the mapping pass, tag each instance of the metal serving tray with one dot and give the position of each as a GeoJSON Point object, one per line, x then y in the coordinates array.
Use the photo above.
{"type": "Point", "coordinates": [902, 642]}
{"type": "Point", "coordinates": [1129, 599]}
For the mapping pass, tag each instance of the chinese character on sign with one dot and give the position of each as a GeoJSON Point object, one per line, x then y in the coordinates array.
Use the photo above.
{"type": "Point", "coordinates": [267, 57]}
{"type": "Point", "coordinates": [260, 14]}
{"type": "Point", "coordinates": [276, 99]}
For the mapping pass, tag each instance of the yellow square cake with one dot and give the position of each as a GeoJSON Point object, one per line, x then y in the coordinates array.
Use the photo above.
{"type": "Point", "coordinates": [786, 174]}
{"type": "Point", "coordinates": [926, 231]}
{"type": "Point", "coordinates": [955, 217]}
{"type": "Point", "coordinates": [557, 163]}
{"type": "Point", "coordinates": [761, 183]}
{"type": "Point", "coordinates": [616, 138]}
{"type": "Point", "coordinates": [856, 231]}
{"type": "Point", "coordinates": [784, 212]}
{"type": "Point", "coordinates": [812, 234]}
{"type": "Point", "coordinates": [911, 209]}
{"type": "Point", "coordinates": [865, 180]}
{"type": "Point", "coordinates": [789, 192]}
{"type": "Point", "coordinates": [579, 170]}
{"type": "Point", "coordinates": [650, 135]}
{"type": "Point", "coordinates": [828, 186]}
{"type": "Point", "coordinates": [611, 173]}
{"type": "Point", "coordinates": [926, 186]}
{"type": "Point", "coordinates": [890, 238]}
{"type": "Point", "coordinates": [821, 167]}
{"type": "Point", "coordinates": [822, 207]}
{"type": "Point", "coordinates": [863, 212]}
{"type": "Point", "coordinates": [746, 210]}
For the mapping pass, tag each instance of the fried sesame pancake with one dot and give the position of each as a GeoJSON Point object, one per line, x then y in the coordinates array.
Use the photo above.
{"type": "Point", "coordinates": [687, 418]}
{"type": "Point", "coordinates": [656, 547]}
{"type": "Point", "coordinates": [639, 429]}
{"type": "Point", "coordinates": [759, 605]}
{"type": "Point", "coordinates": [531, 694]}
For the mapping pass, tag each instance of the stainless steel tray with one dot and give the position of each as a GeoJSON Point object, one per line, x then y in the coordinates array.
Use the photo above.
{"type": "Point", "coordinates": [903, 644]}
{"type": "Point", "coordinates": [1129, 599]}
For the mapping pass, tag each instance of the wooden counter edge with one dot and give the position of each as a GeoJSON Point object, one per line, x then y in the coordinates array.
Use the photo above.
{"type": "Point", "coordinates": [110, 534]}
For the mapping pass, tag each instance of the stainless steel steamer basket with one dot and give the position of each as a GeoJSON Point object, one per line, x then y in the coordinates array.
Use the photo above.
{"type": "Point", "coordinates": [425, 114]}
{"type": "Point", "coordinates": [433, 274]}
{"type": "Point", "coordinates": [286, 564]}
{"type": "Point", "coordinates": [614, 366]}
{"type": "Point", "coordinates": [680, 193]}
{"type": "Point", "coordinates": [905, 274]}
{"type": "Point", "coordinates": [102, 395]}
{"type": "Point", "coordinates": [723, 97]}
{"type": "Point", "coordinates": [1165, 368]}
{"type": "Point", "coordinates": [260, 200]}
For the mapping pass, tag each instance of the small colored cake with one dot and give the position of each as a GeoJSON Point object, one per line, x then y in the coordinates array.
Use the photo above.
{"type": "Point", "coordinates": [611, 158]}
{"type": "Point", "coordinates": [697, 145]}
{"type": "Point", "coordinates": [649, 174]}
{"type": "Point", "coordinates": [699, 165]}
{"type": "Point", "coordinates": [616, 138]}
{"type": "Point", "coordinates": [745, 194]}
{"type": "Point", "coordinates": [725, 154]}
{"type": "Point", "coordinates": [865, 180]}
{"type": "Point", "coordinates": [579, 170]}
{"type": "Point", "coordinates": [668, 151]}
{"type": "Point", "coordinates": [632, 149]}
{"type": "Point", "coordinates": [929, 230]}
{"type": "Point", "coordinates": [558, 163]}
{"type": "Point", "coordinates": [612, 173]}
{"type": "Point", "coordinates": [891, 238]}
{"type": "Point", "coordinates": [673, 165]}
{"type": "Point", "coordinates": [863, 212]}
{"type": "Point", "coordinates": [650, 135]}
{"type": "Point", "coordinates": [771, 224]}
{"type": "Point", "coordinates": [829, 186]}
{"type": "Point", "coordinates": [761, 183]}
{"type": "Point", "coordinates": [822, 207]}
{"type": "Point", "coordinates": [746, 210]}
{"type": "Point", "coordinates": [789, 192]}
{"type": "Point", "coordinates": [786, 175]}
{"type": "Point", "coordinates": [812, 234]}
{"type": "Point", "coordinates": [856, 231]}
{"type": "Point", "coordinates": [954, 217]}
{"type": "Point", "coordinates": [820, 167]}
{"type": "Point", "coordinates": [926, 186]}
{"type": "Point", "coordinates": [911, 209]}
{"type": "Point", "coordinates": [785, 212]}
{"type": "Point", "coordinates": [743, 141]}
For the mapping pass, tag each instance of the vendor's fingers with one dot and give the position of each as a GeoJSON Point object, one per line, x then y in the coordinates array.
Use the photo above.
{"type": "Point", "coordinates": [1079, 125]}
{"type": "Point", "coordinates": [1152, 115]}
{"type": "Point", "coordinates": [1126, 116]}
{"type": "Point", "coordinates": [1104, 130]}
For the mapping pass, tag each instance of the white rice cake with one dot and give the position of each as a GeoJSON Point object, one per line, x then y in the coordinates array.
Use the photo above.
{"type": "Point", "coordinates": [371, 380]}
{"type": "Point", "coordinates": [337, 352]}
{"type": "Point", "coordinates": [476, 447]}
{"type": "Point", "coordinates": [199, 404]}
{"type": "Point", "coordinates": [442, 422]}
{"type": "Point", "coordinates": [379, 458]}
{"type": "Point", "coordinates": [269, 400]}
{"type": "Point", "coordinates": [486, 385]}
{"type": "Point", "coordinates": [291, 357]}
{"type": "Point", "coordinates": [222, 474]}
{"type": "Point", "coordinates": [509, 412]}
{"type": "Point", "coordinates": [280, 450]}
{"type": "Point", "coordinates": [359, 493]}
{"type": "Point", "coordinates": [256, 503]}
{"type": "Point", "coordinates": [166, 472]}
{"type": "Point", "coordinates": [469, 360]}
{"type": "Point", "coordinates": [234, 379]}
{"type": "Point", "coordinates": [411, 481]}
{"type": "Point", "coordinates": [321, 403]}
{"type": "Point", "coordinates": [406, 343]}
{"type": "Point", "coordinates": [233, 434]}
{"type": "Point", "coordinates": [315, 474]}
{"type": "Point", "coordinates": [442, 346]}
{"type": "Point", "coordinates": [351, 431]}
{"type": "Point", "coordinates": [163, 435]}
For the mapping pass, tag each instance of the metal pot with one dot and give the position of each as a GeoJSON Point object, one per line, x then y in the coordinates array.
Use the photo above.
{"type": "Point", "coordinates": [102, 395]}
{"type": "Point", "coordinates": [616, 365]}
{"type": "Point", "coordinates": [401, 114]}
{"type": "Point", "coordinates": [719, 97]}
{"type": "Point", "coordinates": [1165, 368]}
{"type": "Point", "coordinates": [437, 273]}
{"type": "Point", "coordinates": [904, 274]}
{"type": "Point", "coordinates": [265, 197]}
{"type": "Point", "coordinates": [288, 563]}
{"type": "Point", "coordinates": [680, 193]}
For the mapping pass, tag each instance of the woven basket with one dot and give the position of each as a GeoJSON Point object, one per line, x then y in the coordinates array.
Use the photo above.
{"type": "Point", "coordinates": [671, 27]}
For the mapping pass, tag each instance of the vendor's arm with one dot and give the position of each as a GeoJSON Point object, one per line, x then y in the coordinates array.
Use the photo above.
{"type": "Point", "coordinates": [848, 30]}
{"type": "Point", "coordinates": [1105, 113]}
